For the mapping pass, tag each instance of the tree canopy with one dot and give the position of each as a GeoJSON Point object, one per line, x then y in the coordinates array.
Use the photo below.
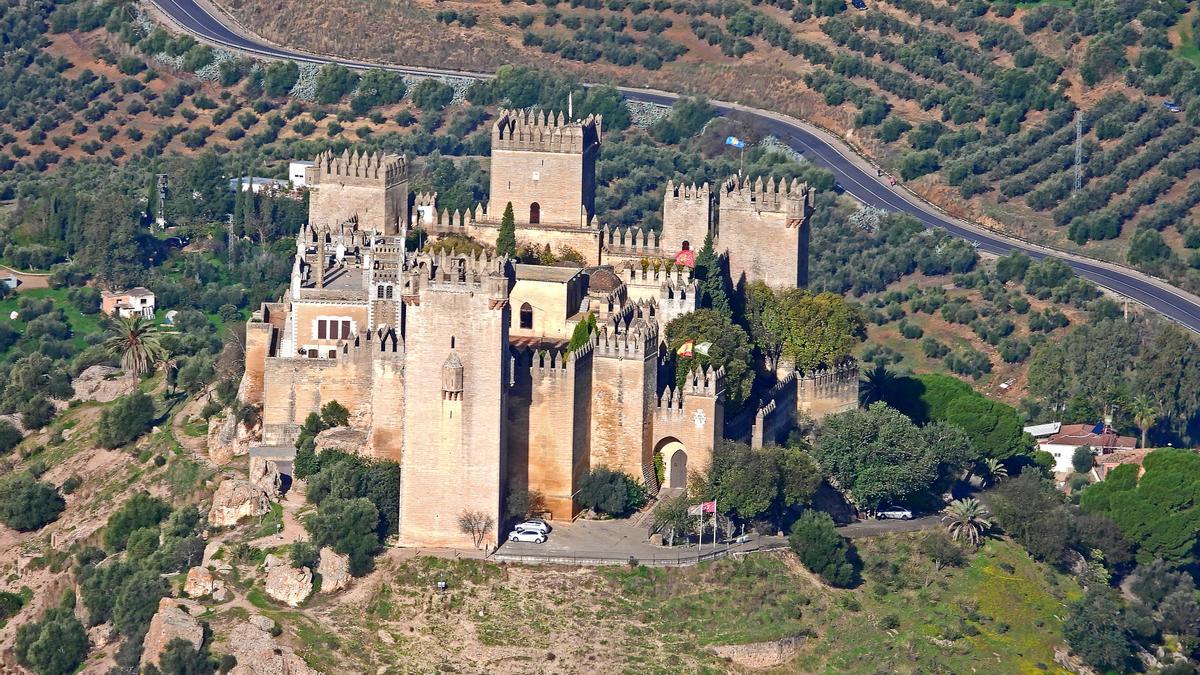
{"type": "Point", "coordinates": [762, 483]}
{"type": "Point", "coordinates": [27, 504]}
{"type": "Point", "coordinates": [730, 350]}
{"type": "Point", "coordinates": [810, 330]}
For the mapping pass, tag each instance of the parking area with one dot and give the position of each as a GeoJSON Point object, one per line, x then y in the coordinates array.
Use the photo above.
{"type": "Point", "coordinates": [605, 540]}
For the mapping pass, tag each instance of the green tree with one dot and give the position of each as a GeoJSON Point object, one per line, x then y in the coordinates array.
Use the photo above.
{"type": "Point", "coordinates": [432, 95]}
{"type": "Point", "coordinates": [305, 554]}
{"type": "Point", "coordinates": [348, 526]}
{"type": "Point", "coordinates": [129, 417]}
{"type": "Point", "coordinates": [506, 239]}
{"type": "Point", "coordinates": [334, 81]}
{"type": "Point", "coordinates": [966, 520]}
{"type": "Point", "coordinates": [877, 455]}
{"type": "Point", "coordinates": [27, 504]}
{"type": "Point", "coordinates": [1145, 414]}
{"type": "Point", "coordinates": [334, 414]}
{"type": "Point", "coordinates": [279, 77]}
{"type": "Point", "coordinates": [730, 350]}
{"type": "Point", "coordinates": [1095, 630]}
{"type": "Point", "coordinates": [135, 340]}
{"type": "Point", "coordinates": [1081, 459]}
{"type": "Point", "coordinates": [768, 482]}
{"type": "Point", "coordinates": [56, 644]}
{"type": "Point", "coordinates": [1160, 512]}
{"type": "Point", "coordinates": [611, 492]}
{"type": "Point", "coordinates": [815, 540]}
{"type": "Point", "coordinates": [671, 518]}
{"type": "Point", "coordinates": [137, 601]}
{"type": "Point", "coordinates": [818, 330]}
{"type": "Point", "coordinates": [711, 277]}
{"type": "Point", "coordinates": [141, 511]}
{"type": "Point", "coordinates": [182, 658]}
{"type": "Point", "coordinates": [10, 436]}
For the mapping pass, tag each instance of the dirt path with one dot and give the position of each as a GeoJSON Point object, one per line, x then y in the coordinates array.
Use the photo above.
{"type": "Point", "coordinates": [26, 280]}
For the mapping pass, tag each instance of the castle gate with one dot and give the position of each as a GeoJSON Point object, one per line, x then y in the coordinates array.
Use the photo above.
{"type": "Point", "coordinates": [675, 459]}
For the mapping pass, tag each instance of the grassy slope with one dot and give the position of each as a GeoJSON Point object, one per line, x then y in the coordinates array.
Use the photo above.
{"type": "Point", "coordinates": [81, 324]}
{"type": "Point", "coordinates": [996, 614]}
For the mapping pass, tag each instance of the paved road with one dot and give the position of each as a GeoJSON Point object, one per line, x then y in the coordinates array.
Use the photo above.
{"type": "Point", "coordinates": [874, 528]}
{"type": "Point", "coordinates": [855, 176]}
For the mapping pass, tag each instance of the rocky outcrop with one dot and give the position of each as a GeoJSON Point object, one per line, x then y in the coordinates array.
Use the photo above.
{"type": "Point", "coordinates": [170, 622]}
{"type": "Point", "coordinates": [236, 499]}
{"type": "Point", "coordinates": [289, 585]}
{"type": "Point", "coordinates": [266, 476]}
{"type": "Point", "coordinates": [102, 384]}
{"type": "Point", "coordinates": [334, 569]}
{"type": "Point", "coordinates": [258, 653]}
{"type": "Point", "coordinates": [200, 583]}
{"type": "Point", "coordinates": [346, 439]}
{"type": "Point", "coordinates": [228, 439]}
{"type": "Point", "coordinates": [761, 654]}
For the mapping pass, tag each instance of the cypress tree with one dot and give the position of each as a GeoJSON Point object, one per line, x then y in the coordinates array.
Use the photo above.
{"type": "Point", "coordinates": [506, 240]}
{"type": "Point", "coordinates": [712, 279]}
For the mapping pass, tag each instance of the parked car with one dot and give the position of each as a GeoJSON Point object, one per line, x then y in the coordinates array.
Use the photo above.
{"type": "Point", "coordinates": [859, 5]}
{"type": "Point", "coordinates": [894, 513]}
{"type": "Point", "coordinates": [534, 525]}
{"type": "Point", "coordinates": [527, 536]}
{"type": "Point", "coordinates": [1172, 106]}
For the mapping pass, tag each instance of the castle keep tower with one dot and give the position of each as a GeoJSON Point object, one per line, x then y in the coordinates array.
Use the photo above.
{"type": "Point", "coordinates": [455, 394]}
{"type": "Point", "coordinates": [372, 189]}
{"type": "Point", "coordinates": [764, 227]}
{"type": "Point", "coordinates": [686, 217]}
{"type": "Point", "coordinates": [624, 377]}
{"type": "Point", "coordinates": [546, 166]}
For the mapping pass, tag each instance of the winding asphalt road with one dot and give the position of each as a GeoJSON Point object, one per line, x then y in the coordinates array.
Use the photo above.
{"type": "Point", "coordinates": [854, 175]}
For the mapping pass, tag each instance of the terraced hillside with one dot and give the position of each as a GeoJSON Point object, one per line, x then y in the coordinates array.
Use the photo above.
{"type": "Point", "coordinates": [971, 103]}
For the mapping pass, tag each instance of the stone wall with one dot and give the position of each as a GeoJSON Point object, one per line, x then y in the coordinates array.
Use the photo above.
{"type": "Point", "coordinates": [828, 391]}
{"type": "Point", "coordinates": [581, 239]}
{"type": "Point", "coordinates": [295, 387]}
{"type": "Point", "coordinates": [686, 217]}
{"type": "Point", "coordinates": [545, 160]}
{"type": "Point", "coordinates": [692, 415]}
{"type": "Point", "coordinates": [624, 380]}
{"type": "Point", "coordinates": [777, 417]}
{"type": "Point", "coordinates": [751, 215]}
{"type": "Point", "coordinates": [370, 188]}
{"type": "Point", "coordinates": [549, 409]}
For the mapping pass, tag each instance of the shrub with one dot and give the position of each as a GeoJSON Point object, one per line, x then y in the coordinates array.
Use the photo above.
{"type": "Point", "coordinates": [305, 554]}
{"type": "Point", "coordinates": [822, 550]}
{"type": "Point", "coordinates": [141, 511]}
{"type": "Point", "coordinates": [10, 436]}
{"type": "Point", "coordinates": [27, 504]}
{"type": "Point", "coordinates": [432, 95]}
{"type": "Point", "coordinates": [610, 492]}
{"type": "Point", "coordinates": [129, 417]}
{"type": "Point", "coordinates": [347, 526]}
{"type": "Point", "coordinates": [56, 644]}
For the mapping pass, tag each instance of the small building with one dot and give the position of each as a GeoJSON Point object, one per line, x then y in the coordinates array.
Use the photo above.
{"type": "Point", "coordinates": [1099, 437]}
{"type": "Point", "coordinates": [257, 184]}
{"type": "Point", "coordinates": [11, 281]}
{"type": "Point", "coordinates": [133, 302]}
{"type": "Point", "coordinates": [1043, 430]}
{"type": "Point", "coordinates": [296, 169]}
{"type": "Point", "coordinates": [1106, 463]}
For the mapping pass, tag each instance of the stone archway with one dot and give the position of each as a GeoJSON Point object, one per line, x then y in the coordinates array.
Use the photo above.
{"type": "Point", "coordinates": [675, 463]}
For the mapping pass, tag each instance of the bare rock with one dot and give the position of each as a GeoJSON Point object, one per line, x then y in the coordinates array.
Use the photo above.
{"type": "Point", "coordinates": [227, 438]}
{"type": "Point", "coordinates": [334, 569]}
{"type": "Point", "coordinates": [273, 560]}
{"type": "Point", "coordinates": [265, 474]}
{"type": "Point", "coordinates": [346, 439]}
{"type": "Point", "coordinates": [262, 622]}
{"type": "Point", "coordinates": [236, 499]}
{"type": "Point", "coordinates": [169, 623]}
{"type": "Point", "coordinates": [289, 585]}
{"type": "Point", "coordinates": [220, 595]}
{"type": "Point", "coordinates": [103, 384]}
{"type": "Point", "coordinates": [761, 654]}
{"type": "Point", "coordinates": [258, 653]}
{"type": "Point", "coordinates": [200, 582]}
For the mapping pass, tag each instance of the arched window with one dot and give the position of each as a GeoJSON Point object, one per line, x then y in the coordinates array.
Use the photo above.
{"type": "Point", "coordinates": [379, 294]}
{"type": "Point", "coordinates": [526, 316]}
{"type": "Point", "coordinates": [389, 292]}
{"type": "Point", "coordinates": [535, 213]}
{"type": "Point", "coordinates": [687, 245]}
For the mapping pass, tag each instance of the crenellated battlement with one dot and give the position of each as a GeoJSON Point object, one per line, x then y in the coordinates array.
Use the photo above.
{"type": "Point", "coordinates": [687, 192]}
{"type": "Point", "coordinates": [651, 276]}
{"type": "Point", "coordinates": [705, 381]}
{"type": "Point", "coordinates": [624, 339]}
{"type": "Point", "coordinates": [794, 199]}
{"type": "Point", "coordinates": [364, 169]}
{"type": "Point", "coordinates": [540, 131]}
{"type": "Point", "coordinates": [630, 241]}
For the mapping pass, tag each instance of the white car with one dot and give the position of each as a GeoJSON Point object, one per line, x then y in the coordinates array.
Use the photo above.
{"type": "Point", "coordinates": [527, 536]}
{"type": "Point", "coordinates": [533, 525]}
{"type": "Point", "coordinates": [894, 512]}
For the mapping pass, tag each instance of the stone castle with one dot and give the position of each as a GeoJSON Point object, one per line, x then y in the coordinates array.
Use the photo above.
{"type": "Point", "coordinates": [461, 367]}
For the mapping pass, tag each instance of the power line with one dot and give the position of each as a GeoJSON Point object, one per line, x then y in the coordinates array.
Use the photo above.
{"type": "Point", "coordinates": [1078, 150]}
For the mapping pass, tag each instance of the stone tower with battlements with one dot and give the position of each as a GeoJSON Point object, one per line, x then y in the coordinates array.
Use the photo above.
{"type": "Point", "coordinates": [624, 380]}
{"type": "Point", "coordinates": [764, 229]}
{"type": "Point", "coordinates": [686, 217]}
{"type": "Point", "coordinates": [456, 319]}
{"type": "Point", "coordinates": [545, 165]}
{"type": "Point", "coordinates": [371, 189]}
{"type": "Point", "coordinates": [689, 421]}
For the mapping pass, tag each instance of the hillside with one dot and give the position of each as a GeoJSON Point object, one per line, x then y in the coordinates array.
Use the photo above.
{"type": "Point", "coordinates": [970, 103]}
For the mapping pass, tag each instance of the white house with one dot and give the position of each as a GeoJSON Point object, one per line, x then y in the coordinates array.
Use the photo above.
{"type": "Point", "coordinates": [133, 302]}
{"type": "Point", "coordinates": [296, 169]}
{"type": "Point", "coordinates": [1099, 437]}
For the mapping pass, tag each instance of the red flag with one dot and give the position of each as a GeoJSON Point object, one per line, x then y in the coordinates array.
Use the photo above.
{"type": "Point", "coordinates": [709, 507]}
{"type": "Point", "coordinates": [686, 257]}
{"type": "Point", "coordinates": [685, 349]}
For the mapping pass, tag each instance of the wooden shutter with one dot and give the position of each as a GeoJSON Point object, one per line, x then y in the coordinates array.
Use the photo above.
{"type": "Point", "coordinates": [320, 329]}
{"type": "Point", "coordinates": [345, 330]}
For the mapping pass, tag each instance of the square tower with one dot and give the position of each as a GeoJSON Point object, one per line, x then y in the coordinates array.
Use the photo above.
{"type": "Point", "coordinates": [764, 228]}
{"type": "Point", "coordinates": [686, 217]}
{"type": "Point", "coordinates": [371, 189]}
{"type": "Point", "coordinates": [545, 165]}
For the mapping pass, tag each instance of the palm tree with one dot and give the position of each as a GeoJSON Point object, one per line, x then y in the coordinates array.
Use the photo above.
{"type": "Point", "coordinates": [993, 471]}
{"type": "Point", "coordinates": [876, 383]}
{"type": "Point", "coordinates": [1145, 414]}
{"type": "Point", "coordinates": [966, 519]}
{"type": "Point", "coordinates": [134, 340]}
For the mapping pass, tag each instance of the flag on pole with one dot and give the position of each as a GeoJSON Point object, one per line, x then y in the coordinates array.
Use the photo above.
{"type": "Point", "coordinates": [694, 510]}
{"type": "Point", "coordinates": [686, 348]}
{"type": "Point", "coordinates": [686, 258]}
{"type": "Point", "coordinates": [708, 507]}
{"type": "Point", "coordinates": [703, 348]}
{"type": "Point", "coordinates": [735, 142]}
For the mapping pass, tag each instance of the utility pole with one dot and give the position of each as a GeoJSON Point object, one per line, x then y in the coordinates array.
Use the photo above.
{"type": "Point", "coordinates": [1078, 150]}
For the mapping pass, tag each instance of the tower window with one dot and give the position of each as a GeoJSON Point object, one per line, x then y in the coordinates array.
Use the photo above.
{"type": "Point", "coordinates": [526, 316]}
{"type": "Point", "coordinates": [686, 245]}
{"type": "Point", "coordinates": [535, 213]}
{"type": "Point", "coordinates": [451, 342]}
{"type": "Point", "coordinates": [379, 294]}
{"type": "Point", "coordinates": [389, 293]}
